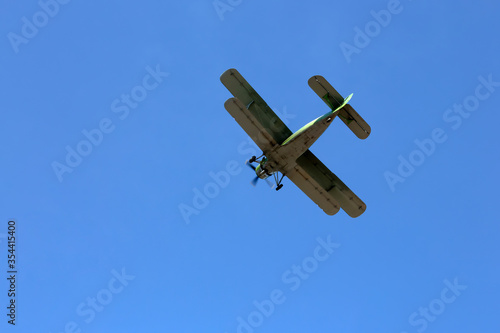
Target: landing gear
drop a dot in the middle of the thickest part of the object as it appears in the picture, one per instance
(264, 173)
(278, 182)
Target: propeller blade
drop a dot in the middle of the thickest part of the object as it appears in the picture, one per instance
(254, 181)
(270, 183)
(250, 165)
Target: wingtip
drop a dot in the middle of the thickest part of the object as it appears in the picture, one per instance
(356, 213)
(314, 78)
(229, 71)
(226, 73)
(229, 101)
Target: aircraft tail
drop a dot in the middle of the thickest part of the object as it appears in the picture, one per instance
(338, 104)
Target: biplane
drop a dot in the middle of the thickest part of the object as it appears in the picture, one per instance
(287, 153)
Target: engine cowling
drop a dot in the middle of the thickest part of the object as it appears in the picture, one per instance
(261, 171)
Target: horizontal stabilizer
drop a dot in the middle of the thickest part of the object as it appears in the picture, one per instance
(334, 100)
(325, 91)
(354, 121)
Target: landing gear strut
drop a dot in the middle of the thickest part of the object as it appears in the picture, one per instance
(255, 159)
(278, 182)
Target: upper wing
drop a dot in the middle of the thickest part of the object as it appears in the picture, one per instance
(258, 114)
(250, 124)
(323, 187)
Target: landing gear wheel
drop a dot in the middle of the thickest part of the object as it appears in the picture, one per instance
(279, 186)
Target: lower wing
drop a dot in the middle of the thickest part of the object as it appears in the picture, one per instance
(324, 187)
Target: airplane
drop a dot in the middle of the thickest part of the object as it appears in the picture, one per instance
(288, 153)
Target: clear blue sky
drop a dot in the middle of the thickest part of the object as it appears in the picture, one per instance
(102, 244)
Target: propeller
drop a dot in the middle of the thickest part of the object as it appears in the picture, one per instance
(250, 165)
(256, 179)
